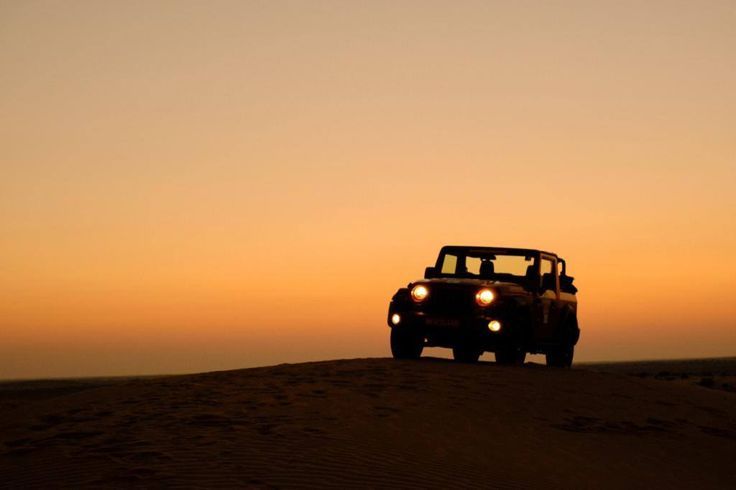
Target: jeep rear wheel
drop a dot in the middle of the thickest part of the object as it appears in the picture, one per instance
(510, 355)
(561, 357)
(406, 344)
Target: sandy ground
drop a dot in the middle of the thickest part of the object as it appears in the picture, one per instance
(717, 373)
(377, 423)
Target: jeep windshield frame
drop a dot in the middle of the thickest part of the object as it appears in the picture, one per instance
(523, 272)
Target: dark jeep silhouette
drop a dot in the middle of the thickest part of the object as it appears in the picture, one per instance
(509, 301)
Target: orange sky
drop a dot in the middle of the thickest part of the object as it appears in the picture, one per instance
(191, 186)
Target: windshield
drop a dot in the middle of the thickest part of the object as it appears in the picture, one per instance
(485, 265)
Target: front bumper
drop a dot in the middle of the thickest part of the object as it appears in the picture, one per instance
(448, 331)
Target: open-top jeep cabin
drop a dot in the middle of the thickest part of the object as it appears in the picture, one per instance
(509, 301)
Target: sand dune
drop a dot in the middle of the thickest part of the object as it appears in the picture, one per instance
(370, 423)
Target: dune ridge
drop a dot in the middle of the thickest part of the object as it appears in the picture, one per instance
(371, 423)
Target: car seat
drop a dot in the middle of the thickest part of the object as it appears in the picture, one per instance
(486, 268)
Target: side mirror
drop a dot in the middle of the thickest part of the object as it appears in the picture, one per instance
(430, 272)
(566, 284)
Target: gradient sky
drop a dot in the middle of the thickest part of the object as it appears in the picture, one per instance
(190, 186)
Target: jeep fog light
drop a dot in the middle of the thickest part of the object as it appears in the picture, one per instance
(484, 297)
(419, 293)
(494, 326)
(395, 319)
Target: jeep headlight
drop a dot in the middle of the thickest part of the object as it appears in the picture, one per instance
(484, 297)
(419, 293)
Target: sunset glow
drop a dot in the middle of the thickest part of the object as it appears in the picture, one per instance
(195, 186)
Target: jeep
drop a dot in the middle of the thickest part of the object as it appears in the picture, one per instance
(509, 301)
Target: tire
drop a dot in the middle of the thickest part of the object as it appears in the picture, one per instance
(465, 354)
(510, 356)
(561, 357)
(406, 344)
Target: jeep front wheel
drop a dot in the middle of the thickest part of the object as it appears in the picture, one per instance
(406, 344)
(510, 356)
(463, 353)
